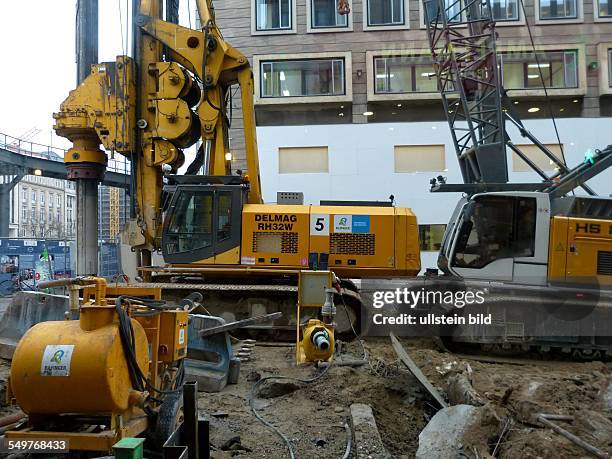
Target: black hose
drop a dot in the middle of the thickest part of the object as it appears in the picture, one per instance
(126, 333)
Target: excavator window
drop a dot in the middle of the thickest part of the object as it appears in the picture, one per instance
(190, 226)
(202, 221)
(496, 227)
(224, 217)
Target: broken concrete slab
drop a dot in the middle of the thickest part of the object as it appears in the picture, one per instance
(25, 310)
(368, 443)
(459, 430)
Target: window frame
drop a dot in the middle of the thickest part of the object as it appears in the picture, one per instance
(605, 70)
(348, 80)
(525, 72)
(596, 16)
(286, 31)
(367, 27)
(498, 23)
(310, 28)
(581, 67)
(373, 96)
(575, 20)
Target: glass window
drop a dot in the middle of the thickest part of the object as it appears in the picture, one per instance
(190, 226)
(558, 69)
(42, 197)
(558, 9)
(496, 227)
(610, 68)
(385, 12)
(451, 7)
(400, 74)
(295, 78)
(605, 9)
(430, 237)
(24, 195)
(504, 10)
(324, 14)
(273, 14)
(224, 217)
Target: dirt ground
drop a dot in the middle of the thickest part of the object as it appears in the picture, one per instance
(313, 416)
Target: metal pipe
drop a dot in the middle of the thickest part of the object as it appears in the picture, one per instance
(87, 189)
(12, 418)
(573, 438)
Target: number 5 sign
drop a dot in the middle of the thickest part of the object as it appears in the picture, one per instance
(319, 224)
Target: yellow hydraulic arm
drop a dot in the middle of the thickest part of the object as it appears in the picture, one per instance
(150, 107)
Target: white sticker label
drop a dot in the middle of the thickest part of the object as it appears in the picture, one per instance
(56, 360)
(27, 243)
(182, 336)
(247, 260)
(343, 223)
(319, 224)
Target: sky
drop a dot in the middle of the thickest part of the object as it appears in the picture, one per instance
(37, 47)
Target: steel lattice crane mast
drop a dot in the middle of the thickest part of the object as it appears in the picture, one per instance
(462, 41)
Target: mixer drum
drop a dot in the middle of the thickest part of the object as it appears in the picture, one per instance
(76, 366)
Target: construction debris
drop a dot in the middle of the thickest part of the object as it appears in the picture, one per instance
(368, 442)
(416, 371)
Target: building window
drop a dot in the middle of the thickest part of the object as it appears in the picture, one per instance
(273, 14)
(558, 69)
(610, 68)
(558, 9)
(505, 10)
(430, 237)
(537, 156)
(24, 195)
(605, 9)
(300, 78)
(58, 200)
(399, 74)
(419, 158)
(303, 160)
(42, 197)
(24, 214)
(33, 195)
(324, 14)
(452, 8)
(385, 12)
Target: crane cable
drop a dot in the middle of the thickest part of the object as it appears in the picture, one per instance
(548, 103)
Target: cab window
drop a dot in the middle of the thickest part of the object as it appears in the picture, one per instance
(496, 227)
(190, 225)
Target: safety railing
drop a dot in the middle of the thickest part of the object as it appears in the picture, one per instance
(39, 150)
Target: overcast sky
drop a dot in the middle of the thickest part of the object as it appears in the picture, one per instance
(37, 47)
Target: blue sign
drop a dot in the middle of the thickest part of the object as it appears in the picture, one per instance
(361, 224)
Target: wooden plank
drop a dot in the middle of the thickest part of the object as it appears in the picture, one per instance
(416, 371)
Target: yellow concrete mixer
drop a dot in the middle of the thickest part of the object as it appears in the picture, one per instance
(115, 372)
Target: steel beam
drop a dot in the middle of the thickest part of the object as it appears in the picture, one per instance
(5, 203)
(87, 189)
(54, 169)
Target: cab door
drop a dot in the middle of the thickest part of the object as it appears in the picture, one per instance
(497, 238)
(203, 225)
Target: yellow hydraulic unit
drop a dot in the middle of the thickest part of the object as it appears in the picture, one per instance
(118, 369)
(315, 338)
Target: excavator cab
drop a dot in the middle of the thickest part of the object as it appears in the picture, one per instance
(202, 218)
(499, 236)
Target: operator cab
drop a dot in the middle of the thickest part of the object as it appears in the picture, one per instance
(202, 217)
(499, 236)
